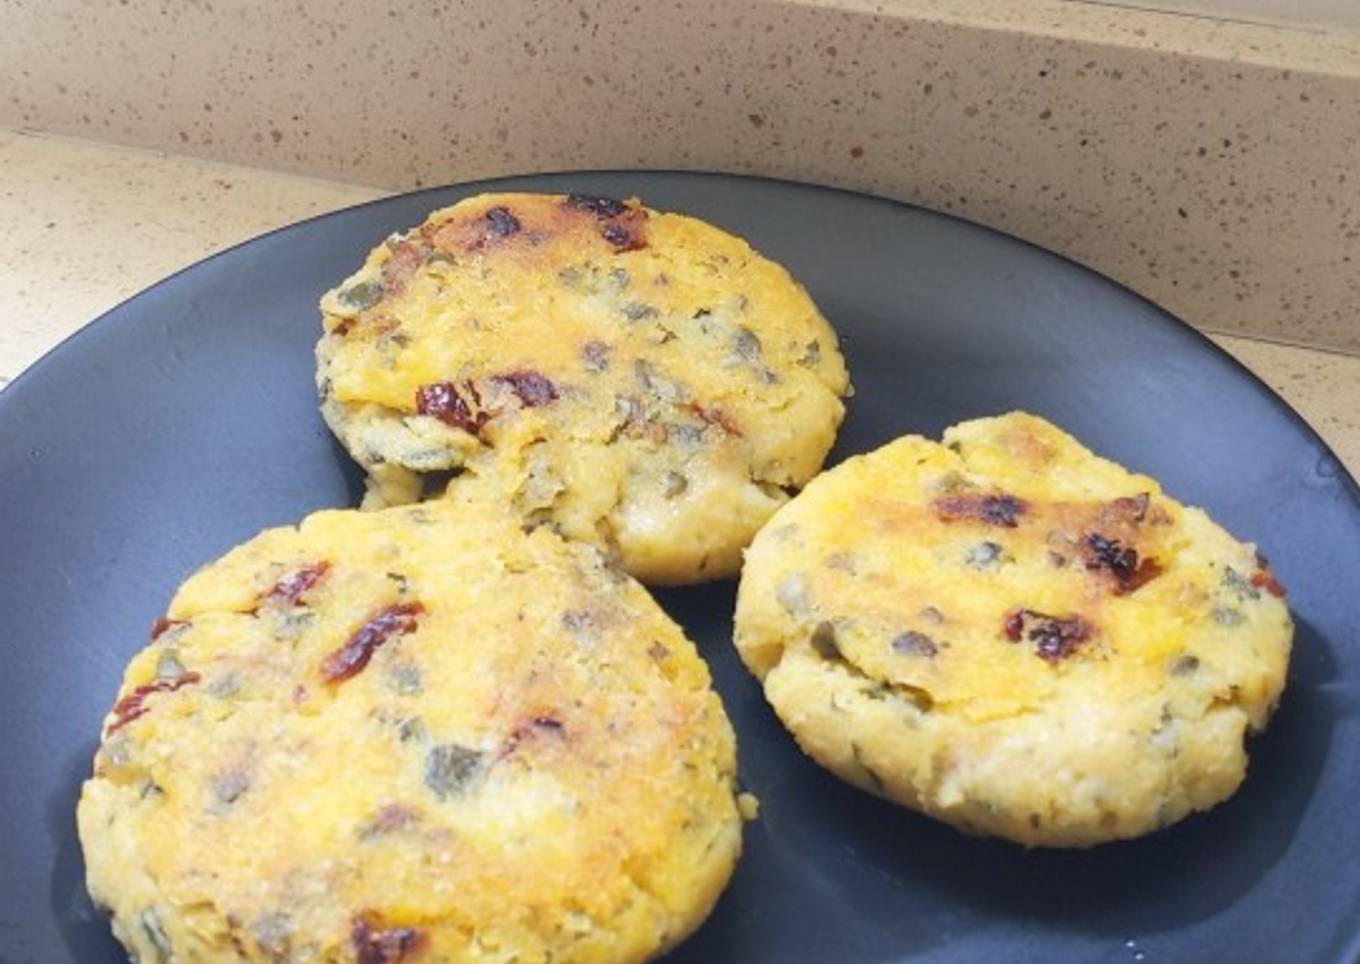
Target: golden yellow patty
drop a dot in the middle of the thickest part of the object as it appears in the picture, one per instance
(411, 735)
(642, 381)
(1013, 635)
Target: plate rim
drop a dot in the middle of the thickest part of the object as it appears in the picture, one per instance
(48, 364)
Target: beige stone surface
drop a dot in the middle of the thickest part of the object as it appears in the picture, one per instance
(87, 225)
(1205, 162)
(1322, 386)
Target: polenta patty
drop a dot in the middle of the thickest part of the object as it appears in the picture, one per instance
(1013, 635)
(642, 381)
(411, 735)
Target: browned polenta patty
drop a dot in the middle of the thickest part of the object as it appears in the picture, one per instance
(639, 380)
(419, 734)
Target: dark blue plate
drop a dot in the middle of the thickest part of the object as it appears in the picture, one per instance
(185, 420)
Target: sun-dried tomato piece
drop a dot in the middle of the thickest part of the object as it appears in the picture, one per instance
(1265, 579)
(374, 944)
(532, 388)
(620, 225)
(539, 725)
(1148, 570)
(1055, 637)
(501, 223)
(290, 588)
(713, 415)
(351, 658)
(601, 207)
(996, 509)
(163, 624)
(1126, 509)
(1120, 561)
(546, 723)
(624, 237)
(134, 704)
(495, 226)
(1109, 554)
(442, 401)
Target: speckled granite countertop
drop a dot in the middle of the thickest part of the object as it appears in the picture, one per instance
(1204, 161)
(87, 225)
